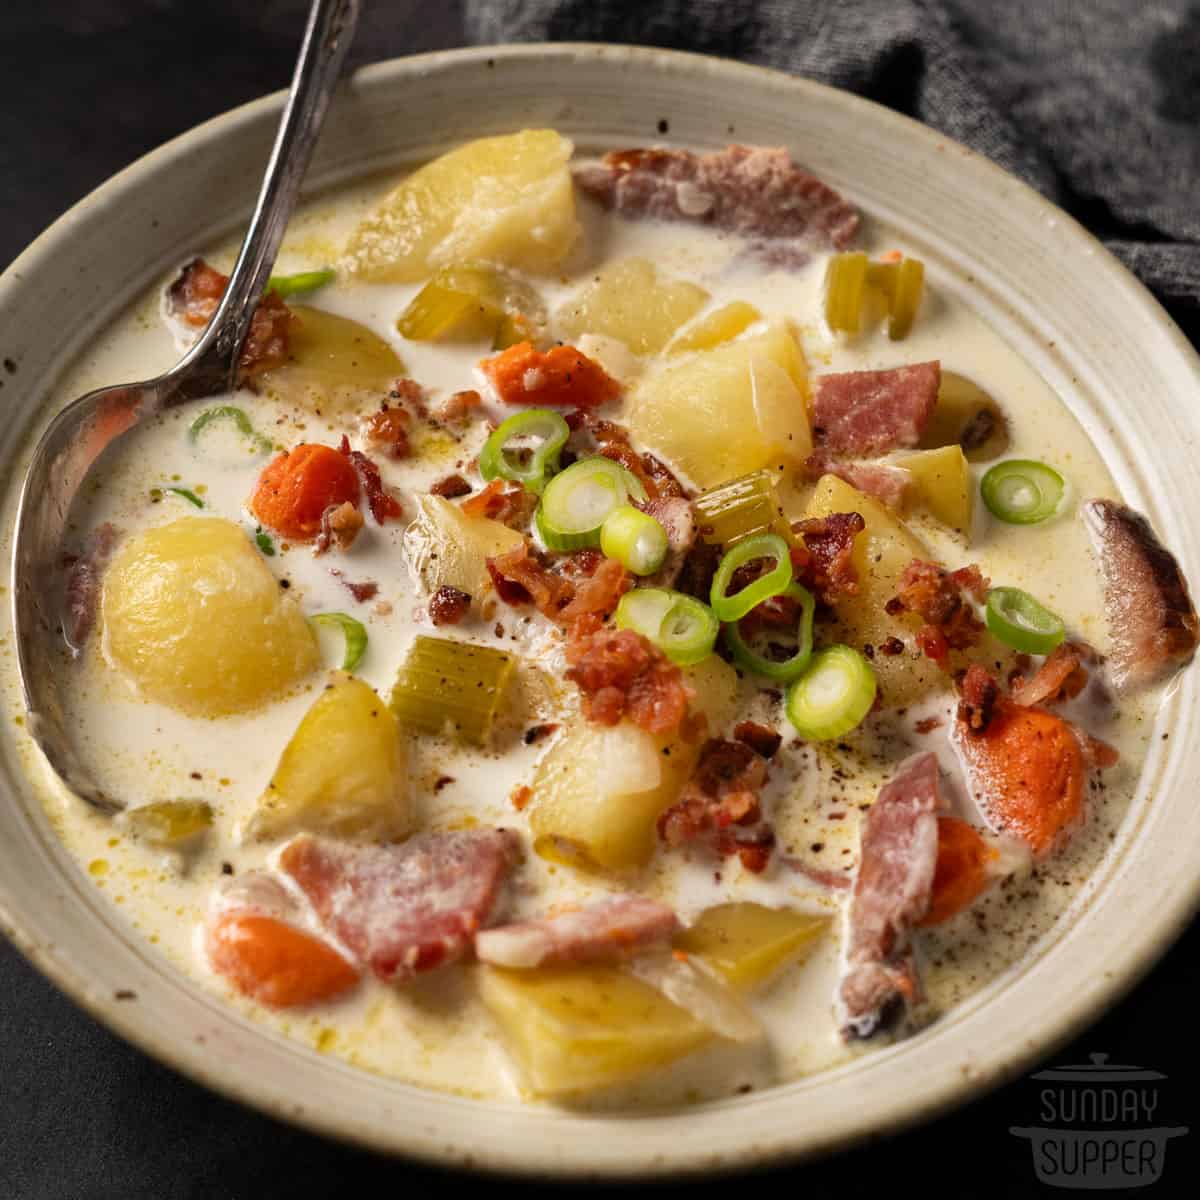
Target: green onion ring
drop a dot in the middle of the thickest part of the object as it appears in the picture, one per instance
(682, 627)
(764, 545)
(789, 668)
(355, 633)
(1022, 491)
(495, 461)
(833, 696)
(577, 501)
(1022, 622)
(230, 412)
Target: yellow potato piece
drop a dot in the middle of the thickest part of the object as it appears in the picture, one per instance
(881, 552)
(576, 1029)
(941, 484)
(628, 301)
(599, 790)
(747, 943)
(729, 411)
(721, 325)
(446, 548)
(507, 200)
(194, 617)
(334, 364)
(344, 772)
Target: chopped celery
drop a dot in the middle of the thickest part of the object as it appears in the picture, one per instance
(302, 281)
(845, 288)
(445, 684)
(739, 509)
(905, 299)
(472, 302)
(721, 325)
(169, 822)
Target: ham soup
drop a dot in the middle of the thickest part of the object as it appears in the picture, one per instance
(633, 636)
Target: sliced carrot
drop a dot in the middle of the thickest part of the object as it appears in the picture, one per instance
(295, 489)
(1027, 773)
(560, 377)
(961, 873)
(276, 964)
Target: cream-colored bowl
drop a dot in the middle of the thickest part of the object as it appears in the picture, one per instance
(1093, 332)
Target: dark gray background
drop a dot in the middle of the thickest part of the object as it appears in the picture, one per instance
(86, 86)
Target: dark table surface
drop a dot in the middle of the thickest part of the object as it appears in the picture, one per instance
(86, 86)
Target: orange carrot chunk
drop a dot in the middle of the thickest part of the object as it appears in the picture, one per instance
(560, 377)
(961, 873)
(295, 490)
(276, 964)
(1027, 772)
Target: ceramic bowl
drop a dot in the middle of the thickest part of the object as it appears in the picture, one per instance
(1083, 321)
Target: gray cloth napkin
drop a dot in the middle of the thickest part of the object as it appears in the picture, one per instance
(1096, 103)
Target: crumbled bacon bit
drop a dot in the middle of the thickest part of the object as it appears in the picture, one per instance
(980, 693)
(504, 501)
(939, 598)
(696, 575)
(597, 594)
(443, 781)
(362, 592)
(384, 506)
(195, 295)
(762, 739)
(340, 524)
(1098, 753)
(1061, 677)
(459, 405)
(723, 793)
(892, 647)
(521, 577)
(928, 724)
(451, 487)
(520, 796)
(448, 605)
(388, 429)
(612, 441)
(823, 560)
(621, 674)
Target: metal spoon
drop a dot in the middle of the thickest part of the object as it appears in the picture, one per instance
(85, 428)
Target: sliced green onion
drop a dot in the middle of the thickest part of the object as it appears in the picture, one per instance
(498, 461)
(188, 495)
(1022, 491)
(354, 632)
(263, 541)
(576, 502)
(776, 580)
(845, 286)
(833, 696)
(452, 685)
(1022, 622)
(682, 627)
(230, 412)
(302, 281)
(739, 509)
(635, 539)
(785, 670)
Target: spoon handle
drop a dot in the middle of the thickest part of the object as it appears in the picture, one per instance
(327, 37)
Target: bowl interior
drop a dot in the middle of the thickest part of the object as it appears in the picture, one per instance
(1071, 310)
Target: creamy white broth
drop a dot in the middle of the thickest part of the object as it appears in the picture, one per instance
(434, 1032)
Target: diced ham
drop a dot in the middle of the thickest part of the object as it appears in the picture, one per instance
(676, 515)
(750, 190)
(82, 590)
(892, 891)
(885, 482)
(823, 561)
(863, 414)
(407, 908)
(607, 931)
(1151, 618)
(194, 296)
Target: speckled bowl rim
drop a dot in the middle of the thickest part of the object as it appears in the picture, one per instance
(1136, 903)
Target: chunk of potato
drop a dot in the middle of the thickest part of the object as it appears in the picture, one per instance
(334, 364)
(171, 824)
(881, 552)
(446, 548)
(721, 325)
(599, 789)
(965, 415)
(747, 943)
(576, 1029)
(344, 772)
(628, 301)
(729, 411)
(507, 200)
(941, 485)
(194, 617)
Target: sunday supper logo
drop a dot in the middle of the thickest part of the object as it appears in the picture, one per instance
(1098, 1128)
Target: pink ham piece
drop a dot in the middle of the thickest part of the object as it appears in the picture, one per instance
(1150, 614)
(607, 931)
(867, 413)
(891, 894)
(82, 592)
(676, 515)
(885, 482)
(407, 908)
(751, 190)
